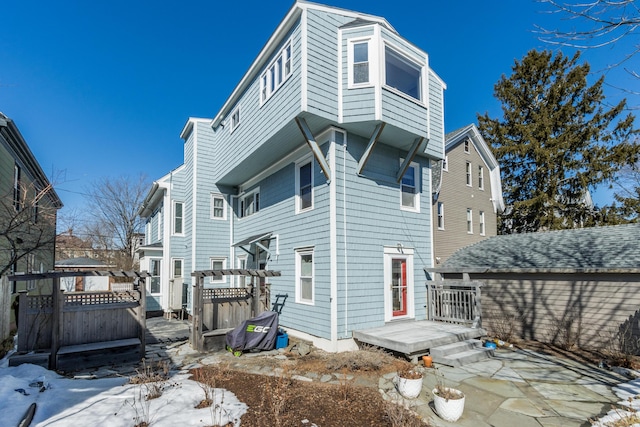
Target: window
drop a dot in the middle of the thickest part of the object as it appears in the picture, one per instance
(440, 216)
(235, 119)
(147, 232)
(402, 74)
(469, 174)
(218, 210)
(409, 187)
(481, 223)
(17, 193)
(469, 221)
(360, 60)
(242, 281)
(466, 145)
(177, 267)
(159, 214)
(481, 177)
(154, 287)
(276, 73)
(304, 276)
(304, 186)
(177, 217)
(445, 163)
(218, 264)
(250, 204)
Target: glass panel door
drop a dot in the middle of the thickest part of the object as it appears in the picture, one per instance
(399, 286)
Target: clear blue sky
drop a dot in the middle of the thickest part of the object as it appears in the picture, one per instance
(104, 88)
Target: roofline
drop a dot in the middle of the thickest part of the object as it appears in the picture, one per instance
(298, 8)
(20, 146)
(188, 126)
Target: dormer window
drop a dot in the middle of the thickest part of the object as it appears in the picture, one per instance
(402, 74)
(276, 73)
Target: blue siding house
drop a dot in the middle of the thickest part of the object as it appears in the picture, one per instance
(317, 166)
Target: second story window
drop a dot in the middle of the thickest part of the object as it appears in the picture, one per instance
(276, 73)
(440, 216)
(409, 187)
(178, 218)
(402, 74)
(468, 172)
(235, 119)
(466, 146)
(218, 210)
(250, 204)
(469, 221)
(360, 63)
(304, 186)
(445, 163)
(17, 190)
(481, 177)
(481, 223)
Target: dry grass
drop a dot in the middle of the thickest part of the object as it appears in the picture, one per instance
(399, 416)
(368, 359)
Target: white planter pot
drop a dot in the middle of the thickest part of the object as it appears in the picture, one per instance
(409, 388)
(448, 409)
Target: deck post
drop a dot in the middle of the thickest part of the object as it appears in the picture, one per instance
(142, 314)
(196, 329)
(57, 332)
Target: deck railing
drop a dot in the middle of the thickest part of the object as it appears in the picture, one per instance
(454, 301)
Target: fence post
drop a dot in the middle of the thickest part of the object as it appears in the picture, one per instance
(429, 302)
(57, 305)
(479, 304)
(256, 295)
(5, 308)
(196, 328)
(142, 314)
(21, 320)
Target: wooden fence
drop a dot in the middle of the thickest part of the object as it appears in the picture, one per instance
(90, 327)
(455, 301)
(216, 310)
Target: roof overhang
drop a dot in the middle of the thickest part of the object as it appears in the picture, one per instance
(257, 239)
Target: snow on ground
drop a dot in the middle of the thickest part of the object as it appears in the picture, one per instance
(108, 402)
(629, 395)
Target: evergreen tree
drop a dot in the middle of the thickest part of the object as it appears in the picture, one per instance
(555, 141)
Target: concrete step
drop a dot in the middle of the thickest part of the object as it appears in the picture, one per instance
(465, 357)
(456, 347)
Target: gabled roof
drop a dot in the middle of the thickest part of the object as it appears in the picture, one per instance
(287, 23)
(10, 133)
(471, 132)
(584, 249)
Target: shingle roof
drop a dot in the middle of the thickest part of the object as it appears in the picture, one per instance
(80, 262)
(613, 247)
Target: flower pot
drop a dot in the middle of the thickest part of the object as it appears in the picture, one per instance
(427, 360)
(448, 409)
(409, 388)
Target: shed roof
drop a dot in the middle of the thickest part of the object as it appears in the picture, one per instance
(596, 248)
(80, 262)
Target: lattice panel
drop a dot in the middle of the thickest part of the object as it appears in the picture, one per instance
(225, 293)
(94, 298)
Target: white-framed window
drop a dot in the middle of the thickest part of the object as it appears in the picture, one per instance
(218, 207)
(218, 263)
(17, 188)
(468, 172)
(304, 185)
(276, 73)
(440, 214)
(410, 192)
(466, 146)
(304, 276)
(147, 232)
(445, 164)
(241, 263)
(481, 223)
(159, 223)
(360, 65)
(480, 177)
(178, 217)
(403, 74)
(235, 119)
(176, 267)
(250, 203)
(469, 220)
(155, 265)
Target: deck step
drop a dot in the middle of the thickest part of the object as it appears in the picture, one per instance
(464, 357)
(456, 347)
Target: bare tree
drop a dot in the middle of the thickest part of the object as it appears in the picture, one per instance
(114, 204)
(596, 24)
(27, 227)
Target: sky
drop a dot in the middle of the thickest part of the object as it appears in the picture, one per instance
(103, 89)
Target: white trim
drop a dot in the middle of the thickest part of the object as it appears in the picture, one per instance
(469, 221)
(417, 176)
(398, 252)
(299, 252)
(412, 61)
(445, 164)
(174, 217)
(438, 205)
(308, 159)
(482, 224)
(150, 261)
(304, 77)
(333, 241)
(340, 77)
(244, 195)
(468, 174)
(212, 207)
(194, 201)
(213, 259)
(351, 61)
(172, 274)
(377, 51)
(234, 123)
(480, 177)
(323, 343)
(275, 69)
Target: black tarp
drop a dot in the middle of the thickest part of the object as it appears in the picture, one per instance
(258, 333)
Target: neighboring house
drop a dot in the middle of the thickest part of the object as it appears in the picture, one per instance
(84, 283)
(467, 193)
(568, 287)
(317, 166)
(69, 245)
(28, 212)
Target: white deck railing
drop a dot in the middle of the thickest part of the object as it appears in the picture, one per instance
(454, 301)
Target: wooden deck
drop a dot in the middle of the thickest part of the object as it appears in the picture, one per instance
(414, 338)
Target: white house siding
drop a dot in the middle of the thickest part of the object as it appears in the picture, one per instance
(322, 78)
(259, 123)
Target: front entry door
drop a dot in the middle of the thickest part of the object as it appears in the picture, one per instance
(399, 287)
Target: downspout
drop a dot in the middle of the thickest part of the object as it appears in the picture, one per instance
(333, 243)
(344, 236)
(232, 249)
